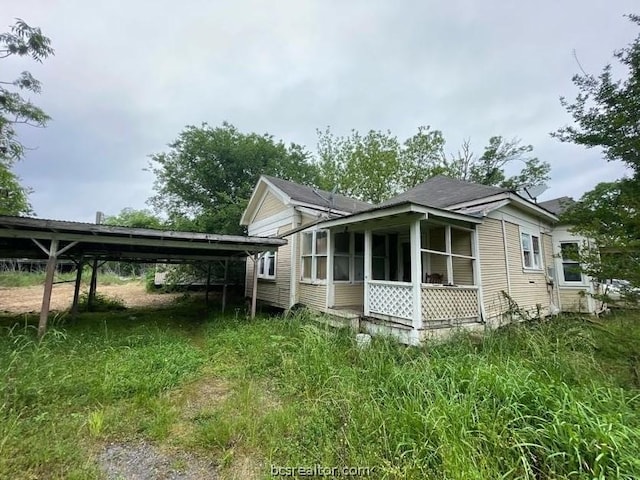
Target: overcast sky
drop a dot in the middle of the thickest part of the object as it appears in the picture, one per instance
(127, 76)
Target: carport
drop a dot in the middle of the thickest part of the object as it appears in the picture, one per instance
(53, 240)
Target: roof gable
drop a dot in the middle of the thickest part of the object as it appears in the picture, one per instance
(441, 192)
(292, 194)
(557, 206)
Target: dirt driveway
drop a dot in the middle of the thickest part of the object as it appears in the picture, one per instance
(29, 299)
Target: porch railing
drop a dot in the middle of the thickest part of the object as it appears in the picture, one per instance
(394, 299)
(440, 303)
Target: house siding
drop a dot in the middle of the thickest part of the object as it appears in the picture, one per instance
(348, 295)
(493, 266)
(528, 289)
(273, 292)
(313, 295)
(271, 205)
(572, 300)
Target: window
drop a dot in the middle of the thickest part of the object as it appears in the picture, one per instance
(314, 255)
(348, 257)
(570, 265)
(267, 266)
(379, 257)
(531, 251)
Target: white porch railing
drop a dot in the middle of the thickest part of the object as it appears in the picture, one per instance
(449, 303)
(394, 299)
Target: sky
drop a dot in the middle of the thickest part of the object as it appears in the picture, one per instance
(128, 76)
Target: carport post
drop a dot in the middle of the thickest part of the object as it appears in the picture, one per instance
(93, 285)
(254, 293)
(76, 290)
(206, 291)
(224, 285)
(48, 285)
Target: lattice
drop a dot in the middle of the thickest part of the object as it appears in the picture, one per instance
(449, 303)
(389, 299)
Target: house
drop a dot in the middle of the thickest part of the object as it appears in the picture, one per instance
(446, 254)
(575, 289)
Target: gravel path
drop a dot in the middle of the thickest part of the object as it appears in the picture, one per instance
(144, 461)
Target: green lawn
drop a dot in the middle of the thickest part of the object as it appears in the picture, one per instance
(551, 400)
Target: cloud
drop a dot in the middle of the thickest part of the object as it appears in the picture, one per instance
(128, 76)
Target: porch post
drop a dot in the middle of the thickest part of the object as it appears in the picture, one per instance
(416, 279)
(329, 293)
(367, 269)
(447, 247)
(477, 273)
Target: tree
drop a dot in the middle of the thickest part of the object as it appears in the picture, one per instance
(376, 166)
(204, 181)
(606, 112)
(21, 40)
(367, 167)
(129, 217)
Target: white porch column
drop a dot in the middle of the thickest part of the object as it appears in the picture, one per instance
(447, 247)
(329, 293)
(367, 268)
(416, 279)
(477, 273)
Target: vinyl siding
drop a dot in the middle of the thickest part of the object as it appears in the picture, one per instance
(274, 292)
(573, 301)
(313, 295)
(271, 205)
(528, 289)
(493, 266)
(348, 294)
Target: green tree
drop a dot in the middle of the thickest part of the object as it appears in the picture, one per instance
(129, 217)
(22, 40)
(367, 167)
(204, 181)
(606, 113)
(377, 166)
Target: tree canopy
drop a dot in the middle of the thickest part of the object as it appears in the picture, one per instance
(205, 180)
(21, 40)
(130, 217)
(377, 166)
(607, 116)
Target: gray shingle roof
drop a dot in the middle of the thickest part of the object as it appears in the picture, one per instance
(557, 206)
(314, 196)
(441, 192)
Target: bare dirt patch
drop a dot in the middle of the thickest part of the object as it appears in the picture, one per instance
(144, 461)
(29, 299)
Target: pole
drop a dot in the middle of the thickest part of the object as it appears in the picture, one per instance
(255, 286)
(76, 290)
(48, 285)
(93, 285)
(224, 285)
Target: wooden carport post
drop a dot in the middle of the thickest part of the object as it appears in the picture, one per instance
(76, 289)
(48, 285)
(254, 293)
(224, 285)
(93, 285)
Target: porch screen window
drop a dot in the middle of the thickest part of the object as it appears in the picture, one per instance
(531, 251)
(379, 257)
(267, 266)
(348, 257)
(314, 255)
(570, 264)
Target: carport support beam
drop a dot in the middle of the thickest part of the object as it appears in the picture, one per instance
(48, 285)
(93, 285)
(76, 290)
(254, 293)
(224, 285)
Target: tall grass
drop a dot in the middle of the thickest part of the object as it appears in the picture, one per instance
(29, 279)
(548, 400)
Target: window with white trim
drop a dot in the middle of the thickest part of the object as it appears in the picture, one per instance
(314, 255)
(531, 257)
(267, 266)
(570, 264)
(348, 257)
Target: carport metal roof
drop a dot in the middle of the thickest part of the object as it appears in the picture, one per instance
(22, 237)
(37, 238)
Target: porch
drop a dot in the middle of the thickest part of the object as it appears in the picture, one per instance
(418, 271)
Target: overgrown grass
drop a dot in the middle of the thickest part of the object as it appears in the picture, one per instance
(547, 400)
(29, 279)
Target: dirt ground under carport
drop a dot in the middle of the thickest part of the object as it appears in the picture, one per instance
(29, 299)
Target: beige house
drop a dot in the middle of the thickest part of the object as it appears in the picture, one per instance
(575, 289)
(446, 254)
